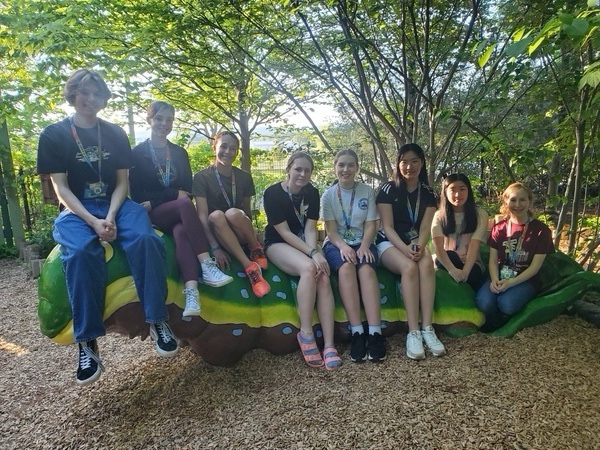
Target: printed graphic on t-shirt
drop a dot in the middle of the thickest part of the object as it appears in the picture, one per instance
(90, 154)
(510, 247)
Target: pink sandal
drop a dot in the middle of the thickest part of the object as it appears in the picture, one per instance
(310, 352)
(331, 357)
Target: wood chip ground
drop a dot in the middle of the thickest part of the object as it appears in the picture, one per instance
(538, 390)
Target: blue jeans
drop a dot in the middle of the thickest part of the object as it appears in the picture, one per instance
(498, 308)
(83, 262)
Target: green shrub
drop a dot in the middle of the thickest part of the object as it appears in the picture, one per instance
(41, 231)
(8, 252)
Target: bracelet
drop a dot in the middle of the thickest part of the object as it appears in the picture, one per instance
(312, 252)
(215, 247)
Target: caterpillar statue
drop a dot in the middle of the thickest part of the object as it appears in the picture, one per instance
(234, 321)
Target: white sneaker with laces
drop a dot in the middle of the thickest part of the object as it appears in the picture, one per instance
(432, 341)
(414, 345)
(212, 275)
(192, 302)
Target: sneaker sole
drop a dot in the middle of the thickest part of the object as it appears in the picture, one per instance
(193, 312)
(164, 353)
(217, 283)
(375, 360)
(358, 360)
(415, 357)
(90, 380)
(442, 353)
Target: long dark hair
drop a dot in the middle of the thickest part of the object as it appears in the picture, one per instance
(398, 178)
(448, 221)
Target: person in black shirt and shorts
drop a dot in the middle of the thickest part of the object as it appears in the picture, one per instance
(292, 208)
(406, 206)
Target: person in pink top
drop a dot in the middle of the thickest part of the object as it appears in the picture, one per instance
(458, 229)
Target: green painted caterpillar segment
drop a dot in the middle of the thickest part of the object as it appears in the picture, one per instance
(546, 307)
(54, 309)
(562, 278)
(236, 303)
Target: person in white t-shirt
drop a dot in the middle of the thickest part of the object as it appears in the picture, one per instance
(458, 229)
(351, 220)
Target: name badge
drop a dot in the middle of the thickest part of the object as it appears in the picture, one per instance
(412, 235)
(506, 273)
(94, 190)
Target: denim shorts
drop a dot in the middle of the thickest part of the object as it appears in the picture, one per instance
(334, 258)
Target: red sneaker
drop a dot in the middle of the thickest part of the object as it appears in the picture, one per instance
(258, 283)
(258, 256)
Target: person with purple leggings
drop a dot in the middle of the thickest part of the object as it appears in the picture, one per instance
(161, 181)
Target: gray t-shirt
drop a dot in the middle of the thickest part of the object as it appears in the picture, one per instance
(364, 210)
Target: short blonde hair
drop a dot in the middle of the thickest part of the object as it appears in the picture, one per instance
(81, 76)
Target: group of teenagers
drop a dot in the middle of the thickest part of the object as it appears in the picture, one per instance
(93, 168)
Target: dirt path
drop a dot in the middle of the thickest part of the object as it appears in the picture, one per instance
(538, 390)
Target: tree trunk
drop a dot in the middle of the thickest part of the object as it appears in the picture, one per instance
(580, 147)
(10, 187)
(552, 192)
(562, 217)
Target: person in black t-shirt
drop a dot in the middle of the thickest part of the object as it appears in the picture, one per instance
(161, 181)
(292, 208)
(223, 193)
(87, 159)
(406, 206)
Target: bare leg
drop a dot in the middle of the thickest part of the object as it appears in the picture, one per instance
(348, 287)
(325, 306)
(241, 225)
(296, 263)
(395, 261)
(369, 289)
(426, 288)
(227, 238)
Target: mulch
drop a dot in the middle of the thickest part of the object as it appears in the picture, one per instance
(537, 390)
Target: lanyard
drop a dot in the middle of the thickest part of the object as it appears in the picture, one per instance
(166, 174)
(347, 217)
(84, 151)
(230, 203)
(459, 233)
(415, 217)
(512, 255)
(299, 214)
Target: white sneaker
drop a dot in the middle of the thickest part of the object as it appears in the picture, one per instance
(432, 341)
(212, 275)
(192, 302)
(414, 345)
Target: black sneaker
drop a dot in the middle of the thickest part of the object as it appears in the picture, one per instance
(376, 344)
(89, 366)
(161, 334)
(358, 347)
